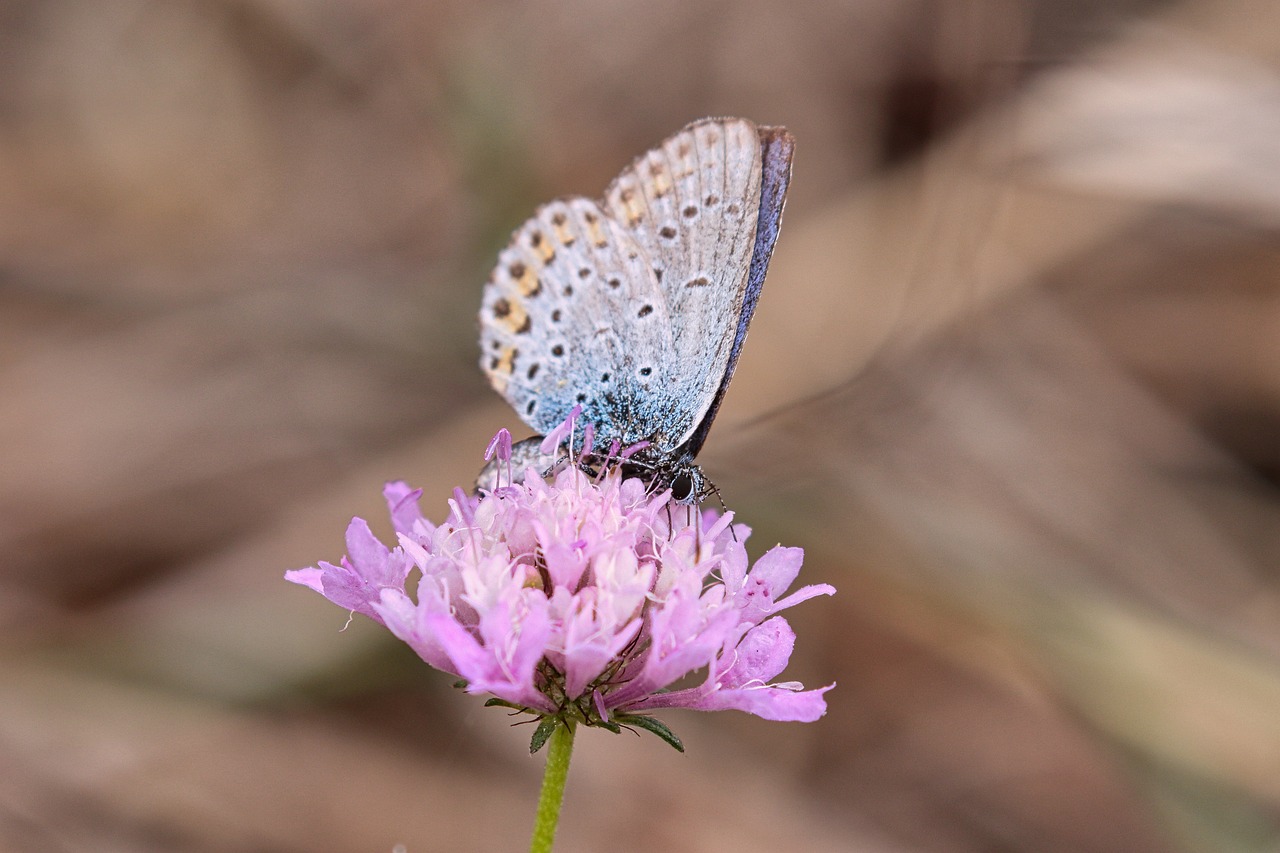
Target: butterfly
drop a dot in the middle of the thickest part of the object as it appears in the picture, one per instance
(634, 307)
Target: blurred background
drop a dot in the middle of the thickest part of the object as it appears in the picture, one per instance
(1013, 384)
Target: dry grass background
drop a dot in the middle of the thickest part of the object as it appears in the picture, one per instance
(1014, 385)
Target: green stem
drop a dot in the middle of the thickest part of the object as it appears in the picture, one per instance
(559, 749)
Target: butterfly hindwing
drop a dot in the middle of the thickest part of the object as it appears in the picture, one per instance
(573, 315)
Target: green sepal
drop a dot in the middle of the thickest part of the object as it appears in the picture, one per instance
(489, 703)
(542, 732)
(460, 683)
(651, 724)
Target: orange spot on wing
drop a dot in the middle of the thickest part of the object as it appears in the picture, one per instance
(499, 371)
(515, 317)
(596, 234)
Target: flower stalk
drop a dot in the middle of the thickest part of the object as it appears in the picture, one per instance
(559, 751)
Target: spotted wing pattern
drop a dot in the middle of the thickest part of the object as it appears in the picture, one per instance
(636, 308)
(560, 318)
(691, 203)
(777, 147)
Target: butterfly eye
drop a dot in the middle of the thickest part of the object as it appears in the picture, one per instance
(682, 487)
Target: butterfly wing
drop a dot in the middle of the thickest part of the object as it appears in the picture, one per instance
(777, 147)
(692, 204)
(636, 310)
(573, 316)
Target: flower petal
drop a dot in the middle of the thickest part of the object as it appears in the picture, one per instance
(311, 577)
(762, 654)
(581, 587)
(770, 703)
(775, 571)
(408, 622)
(358, 582)
(406, 517)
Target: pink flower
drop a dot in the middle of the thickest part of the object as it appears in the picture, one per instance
(585, 596)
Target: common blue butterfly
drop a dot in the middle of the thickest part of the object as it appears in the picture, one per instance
(635, 307)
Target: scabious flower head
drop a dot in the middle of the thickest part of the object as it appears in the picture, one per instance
(585, 597)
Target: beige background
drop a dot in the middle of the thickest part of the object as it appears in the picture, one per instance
(1014, 385)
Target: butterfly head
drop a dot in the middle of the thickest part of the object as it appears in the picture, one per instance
(677, 472)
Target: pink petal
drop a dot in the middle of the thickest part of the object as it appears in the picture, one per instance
(772, 574)
(675, 651)
(778, 568)
(369, 557)
(762, 654)
(804, 593)
(307, 577)
(358, 582)
(770, 703)
(489, 669)
(402, 503)
(408, 622)
(585, 661)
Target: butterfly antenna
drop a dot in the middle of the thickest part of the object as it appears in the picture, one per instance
(712, 488)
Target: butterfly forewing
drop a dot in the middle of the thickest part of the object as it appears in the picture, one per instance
(691, 204)
(777, 147)
(573, 315)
